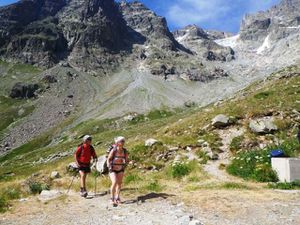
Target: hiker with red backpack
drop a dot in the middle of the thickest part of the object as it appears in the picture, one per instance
(116, 162)
(83, 155)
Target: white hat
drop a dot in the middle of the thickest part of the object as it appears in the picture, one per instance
(86, 137)
(119, 139)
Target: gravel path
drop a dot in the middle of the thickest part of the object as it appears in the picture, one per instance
(155, 210)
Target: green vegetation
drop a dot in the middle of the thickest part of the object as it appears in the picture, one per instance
(236, 144)
(154, 186)
(6, 195)
(256, 164)
(180, 170)
(12, 110)
(285, 185)
(36, 187)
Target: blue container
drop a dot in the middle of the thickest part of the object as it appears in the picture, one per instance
(277, 153)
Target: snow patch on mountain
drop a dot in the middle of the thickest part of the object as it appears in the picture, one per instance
(229, 42)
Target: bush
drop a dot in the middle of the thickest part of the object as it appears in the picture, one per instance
(255, 165)
(3, 204)
(203, 155)
(36, 187)
(180, 170)
(236, 144)
(11, 193)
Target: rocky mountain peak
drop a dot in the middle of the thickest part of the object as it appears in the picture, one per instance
(191, 32)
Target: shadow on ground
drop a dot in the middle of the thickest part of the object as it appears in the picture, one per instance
(144, 198)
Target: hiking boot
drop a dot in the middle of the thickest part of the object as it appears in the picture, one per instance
(83, 193)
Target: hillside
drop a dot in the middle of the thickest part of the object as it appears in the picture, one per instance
(200, 109)
(185, 137)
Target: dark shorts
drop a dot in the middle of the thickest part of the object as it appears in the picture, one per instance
(85, 169)
(115, 171)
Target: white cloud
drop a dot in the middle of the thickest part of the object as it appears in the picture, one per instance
(189, 11)
(213, 12)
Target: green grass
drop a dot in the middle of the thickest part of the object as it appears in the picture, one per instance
(285, 185)
(154, 186)
(9, 111)
(236, 144)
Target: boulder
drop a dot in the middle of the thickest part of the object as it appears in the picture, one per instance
(150, 142)
(54, 175)
(21, 90)
(221, 121)
(263, 125)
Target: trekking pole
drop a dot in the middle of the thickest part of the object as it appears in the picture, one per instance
(75, 175)
(96, 175)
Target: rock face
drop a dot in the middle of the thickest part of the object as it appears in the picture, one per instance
(278, 22)
(28, 31)
(153, 28)
(263, 126)
(21, 90)
(202, 43)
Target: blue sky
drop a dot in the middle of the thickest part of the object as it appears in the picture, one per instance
(222, 15)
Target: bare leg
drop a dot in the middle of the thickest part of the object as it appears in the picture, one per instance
(119, 183)
(82, 179)
(113, 178)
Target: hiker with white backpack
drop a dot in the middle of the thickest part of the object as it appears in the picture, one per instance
(116, 162)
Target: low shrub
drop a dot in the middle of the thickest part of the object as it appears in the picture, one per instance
(181, 169)
(36, 187)
(285, 185)
(236, 144)
(3, 204)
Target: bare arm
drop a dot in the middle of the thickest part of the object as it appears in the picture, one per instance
(110, 158)
(76, 156)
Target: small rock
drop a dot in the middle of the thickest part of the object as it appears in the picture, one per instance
(195, 222)
(54, 175)
(48, 195)
(150, 142)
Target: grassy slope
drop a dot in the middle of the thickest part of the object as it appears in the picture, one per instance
(180, 128)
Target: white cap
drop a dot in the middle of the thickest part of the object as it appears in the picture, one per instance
(86, 137)
(118, 139)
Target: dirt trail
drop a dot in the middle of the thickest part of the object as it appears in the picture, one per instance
(211, 207)
(213, 167)
(72, 209)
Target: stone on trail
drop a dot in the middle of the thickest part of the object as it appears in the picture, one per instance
(195, 222)
(150, 142)
(48, 195)
(263, 125)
